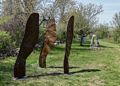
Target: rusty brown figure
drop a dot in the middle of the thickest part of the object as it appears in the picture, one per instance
(69, 38)
(28, 43)
(49, 40)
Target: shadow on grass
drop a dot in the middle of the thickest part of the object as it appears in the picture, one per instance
(105, 46)
(70, 73)
(86, 45)
(85, 70)
(62, 67)
(80, 49)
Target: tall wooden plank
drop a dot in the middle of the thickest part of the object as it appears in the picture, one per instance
(28, 43)
(69, 38)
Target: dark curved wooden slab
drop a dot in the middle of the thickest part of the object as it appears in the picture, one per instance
(69, 38)
(28, 43)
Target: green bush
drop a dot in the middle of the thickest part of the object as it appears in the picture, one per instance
(116, 35)
(16, 27)
(61, 32)
(6, 44)
(102, 31)
(5, 40)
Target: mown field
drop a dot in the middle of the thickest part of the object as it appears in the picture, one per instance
(87, 67)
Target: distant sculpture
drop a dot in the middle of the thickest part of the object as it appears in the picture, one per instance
(49, 40)
(94, 42)
(69, 38)
(28, 43)
(82, 37)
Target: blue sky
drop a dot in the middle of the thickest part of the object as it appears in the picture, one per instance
(110, 7)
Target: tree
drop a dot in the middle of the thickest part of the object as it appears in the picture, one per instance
(102, 31)
(63, 8)
(19, 11)
(7, 7)
(116, 20)
(116, 25)
(29, 5)
(85, 18)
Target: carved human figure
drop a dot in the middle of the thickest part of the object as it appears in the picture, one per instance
(49, 40)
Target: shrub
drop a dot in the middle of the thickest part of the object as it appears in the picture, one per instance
(16, 27)
(103, 31)
(5, 39)
(6, 44)
(116, 35)
(61, 32)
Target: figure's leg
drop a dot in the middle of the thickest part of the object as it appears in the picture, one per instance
(43, 55)
(42, 62)
(28, 43)
(81, 41)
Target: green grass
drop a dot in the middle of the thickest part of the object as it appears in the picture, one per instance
(87, 68)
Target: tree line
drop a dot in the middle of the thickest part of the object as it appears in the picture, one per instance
(16, 12)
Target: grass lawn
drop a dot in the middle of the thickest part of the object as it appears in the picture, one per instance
(87, 68)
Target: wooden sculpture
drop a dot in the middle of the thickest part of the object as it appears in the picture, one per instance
(69, 38)
(49, 40)
(30, 39)
(28, 43)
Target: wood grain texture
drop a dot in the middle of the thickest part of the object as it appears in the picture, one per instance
(49, 40)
